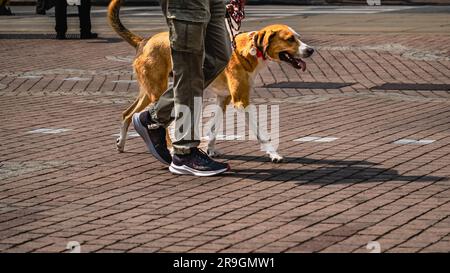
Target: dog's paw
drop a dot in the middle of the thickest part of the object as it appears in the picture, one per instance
(214, 153)
(276, 158)
(239, 106)
(120, 146)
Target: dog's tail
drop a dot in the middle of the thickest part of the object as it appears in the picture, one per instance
(116, 24)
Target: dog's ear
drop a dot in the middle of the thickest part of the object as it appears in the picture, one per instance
(258, 38)
(262, 40)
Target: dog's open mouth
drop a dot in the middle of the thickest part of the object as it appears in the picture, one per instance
(295, 62)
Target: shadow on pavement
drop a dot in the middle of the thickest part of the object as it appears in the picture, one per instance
(333, 171)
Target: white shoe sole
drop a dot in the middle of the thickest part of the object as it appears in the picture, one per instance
(186, 170)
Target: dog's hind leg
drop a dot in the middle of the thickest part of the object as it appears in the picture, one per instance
(138, 105)
(219, 113)
(120, 142)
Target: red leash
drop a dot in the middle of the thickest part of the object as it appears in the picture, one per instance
(235, 13)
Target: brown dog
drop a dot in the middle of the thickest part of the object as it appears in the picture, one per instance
(153, 67)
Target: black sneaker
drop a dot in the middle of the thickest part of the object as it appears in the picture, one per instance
(197, 163)
(155, 139)
(89, 35)
(60, 36)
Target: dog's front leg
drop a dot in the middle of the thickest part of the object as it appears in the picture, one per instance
(262, 136)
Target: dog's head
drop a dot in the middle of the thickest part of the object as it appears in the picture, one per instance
(280, 42)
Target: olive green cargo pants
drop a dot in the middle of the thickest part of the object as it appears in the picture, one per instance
(201, 49)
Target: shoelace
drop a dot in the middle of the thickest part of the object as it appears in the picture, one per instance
(202, 155)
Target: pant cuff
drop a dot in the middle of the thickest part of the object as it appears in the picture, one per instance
(154, 119)
(181, 150)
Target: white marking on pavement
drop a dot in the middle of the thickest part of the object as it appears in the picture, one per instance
(125, 81)
(316, 139)
(326, 139)
(413, 141)
(225, 137)
(123, 59)
(405, 141)
(49, 130)
(76, 79)
(29, 77)
(307, 139)
(425, 141)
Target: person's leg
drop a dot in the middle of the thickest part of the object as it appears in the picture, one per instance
(187, 39)
(187, 36)
(4, 10)
(188, 51)
(2, 7)
(84, 13)
(188, 27)
(217, 54)
(61, 19)
(40, 7)
(218, 44)
(203, 71)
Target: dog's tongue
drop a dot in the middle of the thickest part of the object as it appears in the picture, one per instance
(299, 63)
(295, 62)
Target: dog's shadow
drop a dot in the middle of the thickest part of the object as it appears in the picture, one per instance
(320, 171)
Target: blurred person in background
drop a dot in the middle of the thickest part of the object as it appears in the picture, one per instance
(43, 5)
(84, 13)
(4, 10)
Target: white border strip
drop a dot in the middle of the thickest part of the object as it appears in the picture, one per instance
(316, 139)
(49, 131)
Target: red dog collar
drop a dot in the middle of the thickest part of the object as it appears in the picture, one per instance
(259, 54)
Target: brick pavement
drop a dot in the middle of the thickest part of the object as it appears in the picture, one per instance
(327, 196)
